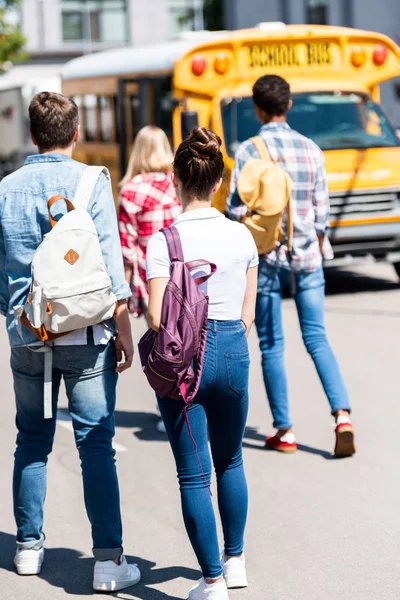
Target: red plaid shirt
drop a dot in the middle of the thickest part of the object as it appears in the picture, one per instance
(146, 205)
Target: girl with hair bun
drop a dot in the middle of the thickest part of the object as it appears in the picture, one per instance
(221, 405)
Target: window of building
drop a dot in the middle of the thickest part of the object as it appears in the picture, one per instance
(317, 12)
(95, 20)
(72, 25)
(185, 15)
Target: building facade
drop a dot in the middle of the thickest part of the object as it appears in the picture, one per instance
(382, 16)
(57, 30)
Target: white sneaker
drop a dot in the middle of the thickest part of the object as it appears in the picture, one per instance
(110, 577)
(209, 591)
(28, 561)
(234, 572)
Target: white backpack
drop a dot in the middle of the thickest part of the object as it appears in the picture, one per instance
(70, 288)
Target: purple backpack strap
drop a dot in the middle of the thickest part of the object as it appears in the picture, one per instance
(174, 243)
(176, 253)
(194, 264)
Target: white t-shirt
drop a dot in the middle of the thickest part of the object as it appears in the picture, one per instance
(206, 234)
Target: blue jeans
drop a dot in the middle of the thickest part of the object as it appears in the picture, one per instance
(309, 297)
(222, 403)
(90, 381)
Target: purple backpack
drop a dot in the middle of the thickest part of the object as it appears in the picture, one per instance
(172, 359)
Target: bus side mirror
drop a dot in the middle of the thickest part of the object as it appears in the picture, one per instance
(189, 120)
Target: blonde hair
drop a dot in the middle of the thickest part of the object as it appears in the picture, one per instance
(151, 153)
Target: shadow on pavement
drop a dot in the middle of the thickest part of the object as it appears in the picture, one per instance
(73, 572)
(251, 433)
(342, 281)
(146, 422)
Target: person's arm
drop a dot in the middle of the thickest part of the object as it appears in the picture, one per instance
(4, 292)
(156, 296)
(123, 341)
(103, 213)
(321, 203)
(128, 231)
(249, 302)
(158, 271)
(235, 209)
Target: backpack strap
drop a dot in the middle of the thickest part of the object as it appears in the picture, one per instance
(261, 148)
(174, 243)
(87, 184)
(194, 264)
(289, 226)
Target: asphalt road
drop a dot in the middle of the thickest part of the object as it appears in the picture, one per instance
(319, 529)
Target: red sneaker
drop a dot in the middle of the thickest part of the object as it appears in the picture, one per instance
(344, 432)
(282, 443)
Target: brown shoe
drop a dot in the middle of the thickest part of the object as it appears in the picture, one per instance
(344, 432)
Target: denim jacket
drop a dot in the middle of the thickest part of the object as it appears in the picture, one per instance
(24, 220)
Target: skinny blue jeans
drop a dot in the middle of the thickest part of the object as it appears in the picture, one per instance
(90, 381)
(309, 295)
(222, 403)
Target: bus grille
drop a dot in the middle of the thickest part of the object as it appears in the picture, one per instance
(351, 204)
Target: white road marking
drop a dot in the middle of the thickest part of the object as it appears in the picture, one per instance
(64, 420)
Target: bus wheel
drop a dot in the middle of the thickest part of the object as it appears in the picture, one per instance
(397, 268)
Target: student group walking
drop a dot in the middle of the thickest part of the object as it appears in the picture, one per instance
(201, 279)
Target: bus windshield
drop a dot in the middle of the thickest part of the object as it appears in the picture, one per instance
(334, 120)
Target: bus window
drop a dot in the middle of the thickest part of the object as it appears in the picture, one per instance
(135, 114)
(79, 103)
(239, 122)
(107, 133)
(163, 106)
(90, 110)
(334, 120)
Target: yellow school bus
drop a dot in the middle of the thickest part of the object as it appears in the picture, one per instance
(334, 73)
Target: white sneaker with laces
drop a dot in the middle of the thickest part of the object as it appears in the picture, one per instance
(234, 572)
(110, 577)
(28, 561)
(209, 591)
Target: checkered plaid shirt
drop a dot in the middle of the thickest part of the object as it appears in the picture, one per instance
(304, 161)
(146, 205)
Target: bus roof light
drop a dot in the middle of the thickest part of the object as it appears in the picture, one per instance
(358, 57)
(271, 25)
(380, 55)
(199, 64)
(221, 63)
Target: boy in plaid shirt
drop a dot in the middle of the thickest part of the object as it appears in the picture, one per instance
(304, 161)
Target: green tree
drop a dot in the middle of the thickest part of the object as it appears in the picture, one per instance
(12, 41)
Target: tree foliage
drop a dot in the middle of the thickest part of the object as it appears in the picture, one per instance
(12, 41)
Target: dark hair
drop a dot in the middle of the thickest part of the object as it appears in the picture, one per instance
(54, 119)
(198, 162)
(271, 93)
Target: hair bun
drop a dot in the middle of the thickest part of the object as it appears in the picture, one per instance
(204, 143)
